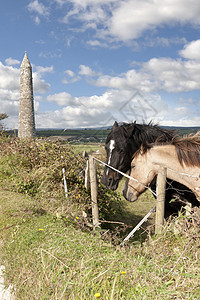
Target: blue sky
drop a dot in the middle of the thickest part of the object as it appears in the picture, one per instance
(96, 61)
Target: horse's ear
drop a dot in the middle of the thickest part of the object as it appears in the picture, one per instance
(131, 129)
(142, 149)
(115, 125)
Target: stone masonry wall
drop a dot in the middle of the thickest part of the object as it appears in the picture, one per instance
(26, 128)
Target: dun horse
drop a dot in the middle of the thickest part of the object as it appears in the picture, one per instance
(181, 157)
(121, 144)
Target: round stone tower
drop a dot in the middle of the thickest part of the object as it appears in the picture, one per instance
(26, 128)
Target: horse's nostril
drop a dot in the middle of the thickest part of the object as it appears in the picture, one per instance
(128, 196)
(124, 193)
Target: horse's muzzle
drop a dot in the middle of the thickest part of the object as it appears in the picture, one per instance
(111, 181)
(129, 196)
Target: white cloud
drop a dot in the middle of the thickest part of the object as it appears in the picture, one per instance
(11, 61)
(120, 21)
(42, 70)
(72, 80)
(163, 41)
(9, 77)
(131, 95)
(9, 95)
(60, 2)
(97, 43)
(69, 73)
(181, 111)
(124, 20)
(167, 74)
(39, 8)
(61, 99)
(191, 50)
(71, 77)
(181, 116)
(51, 54)
(86, 71)
(37, 20)
(102, 110)
(39, 84)
(40, 42)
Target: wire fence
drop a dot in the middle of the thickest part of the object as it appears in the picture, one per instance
(159, 194)
(93, 187)
(125, 175)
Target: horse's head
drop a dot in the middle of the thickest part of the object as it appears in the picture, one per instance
(143, 175)
(119, 154)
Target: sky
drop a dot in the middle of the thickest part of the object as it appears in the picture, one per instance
(99, 61)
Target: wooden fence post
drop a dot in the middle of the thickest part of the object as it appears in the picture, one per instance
(93, 187)
(160, 203)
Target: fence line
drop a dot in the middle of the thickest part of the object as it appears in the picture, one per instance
(127, 176)
(160, 195)
(93, 187)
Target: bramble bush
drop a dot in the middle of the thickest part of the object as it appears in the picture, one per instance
(34, 167)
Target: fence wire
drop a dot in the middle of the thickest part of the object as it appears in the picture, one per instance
(125, 175)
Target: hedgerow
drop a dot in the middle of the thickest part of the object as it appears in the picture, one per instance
(34, 167)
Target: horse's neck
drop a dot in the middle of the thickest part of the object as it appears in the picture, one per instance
(163, 155)
(166, 156)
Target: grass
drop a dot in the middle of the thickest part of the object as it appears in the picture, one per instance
(50, 253)
(89, 148)
(54, 259)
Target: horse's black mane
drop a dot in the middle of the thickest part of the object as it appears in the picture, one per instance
(147, 132)
(140, 133)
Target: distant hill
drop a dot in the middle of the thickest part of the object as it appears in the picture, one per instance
(92, 135)
(96, 135)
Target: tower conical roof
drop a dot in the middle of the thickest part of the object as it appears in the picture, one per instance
(25, 61)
